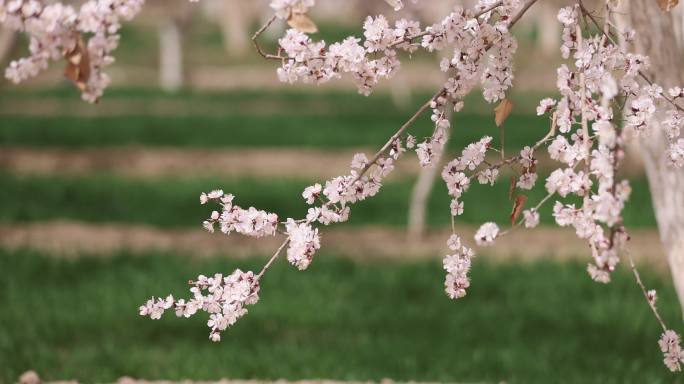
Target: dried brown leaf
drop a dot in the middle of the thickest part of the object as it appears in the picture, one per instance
(502, 111)
(71, 72)
(78, 64)
(667, 5)
(518, 206)
(302, 23)
(511, 188)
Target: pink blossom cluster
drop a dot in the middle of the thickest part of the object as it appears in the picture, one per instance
(457, 181)
(224, 298)
(473, 161)
(375, 57)
(311, 62)
(591, 139)
(480, 53)
(250, 222)
(228, 299)
(303, 243)
(55, 29)
(336, 197)
(486, 234)
(670, 345)
(673, 125)
(457, 266)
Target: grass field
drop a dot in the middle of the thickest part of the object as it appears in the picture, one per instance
(237, 119)
(292, 120)
(340, 320)
(175, 202)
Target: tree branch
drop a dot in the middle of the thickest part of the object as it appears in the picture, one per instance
(255, 41)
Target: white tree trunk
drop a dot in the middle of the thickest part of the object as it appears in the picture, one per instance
(549, 31)
(658, 36)
(235, 27)
(170, 56)
(7, 40)
(419, 199)
(417, 213)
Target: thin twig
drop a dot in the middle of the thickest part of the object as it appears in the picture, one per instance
(583, 107)
(521, 13)
(513, 159)
(255, 41)
(401, 130)
(521, 221)
(490, 8)
(423, 33)
(535, 208)
(272, 259)
(644, 290)
(549, 135)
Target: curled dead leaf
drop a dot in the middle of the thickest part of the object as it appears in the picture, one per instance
(518, 206)
(502, 111)
(396, 4)
(302, 23)
(667, 5)
(78, 64)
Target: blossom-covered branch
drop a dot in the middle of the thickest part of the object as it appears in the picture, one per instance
(584, 130)
(474, 33)
(85, 38)
(599, 82)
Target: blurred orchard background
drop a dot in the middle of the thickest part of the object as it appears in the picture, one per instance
(99, 210)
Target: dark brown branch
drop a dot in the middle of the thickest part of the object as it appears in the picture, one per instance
(255, 41)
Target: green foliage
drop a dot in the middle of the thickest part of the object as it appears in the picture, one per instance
(246, 119)
(175, 202)
(341, 320)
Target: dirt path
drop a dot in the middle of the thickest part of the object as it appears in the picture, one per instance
(74, 239)
(128, 380)
(417, 75)
(160, 162)
(145, 163)
(31, 377)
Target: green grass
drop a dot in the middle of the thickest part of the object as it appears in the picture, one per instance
(543, 322)
(263, 130)
(175, 202)
(248, 119)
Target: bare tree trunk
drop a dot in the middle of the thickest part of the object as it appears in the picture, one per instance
(421, 195)
(419, 199)
(658, 37)
(170, 55)
(7, 40)
(548, 28)
(400, 93)
(235, 27)
(417, 213)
